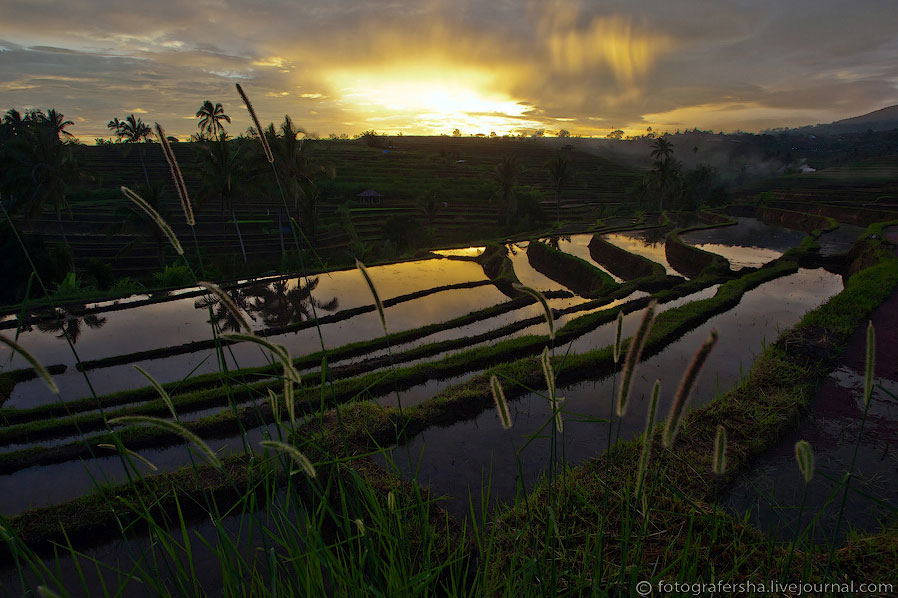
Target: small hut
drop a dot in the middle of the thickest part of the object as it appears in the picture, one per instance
(370, 197)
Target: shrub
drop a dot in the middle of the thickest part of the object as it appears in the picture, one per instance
(99, 273)
(174, 276)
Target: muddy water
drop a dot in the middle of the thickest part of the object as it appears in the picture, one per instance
(454, 459)
(839, 240)
(749, 243)
(646, 243)
(772, 490)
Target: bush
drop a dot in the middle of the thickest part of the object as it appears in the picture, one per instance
(52, 262)
(174, 276)
(126, 286)
(99, 273)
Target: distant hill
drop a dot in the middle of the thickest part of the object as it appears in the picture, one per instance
(884, 119)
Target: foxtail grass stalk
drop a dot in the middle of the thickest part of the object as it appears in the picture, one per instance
(291, 451)
(174, 428)
(162, 392)
(619, 326)
(155, 217)
(261, 133)
(176, 176)
(719, 458)
(130, 453)
(647, 439)
(804, 456)
(228, 303)
(637, 343)
(549, 373)
(678, 408)
(868, 395)
(501, 403)
(547, 311)
(377, 301)
(38, 366)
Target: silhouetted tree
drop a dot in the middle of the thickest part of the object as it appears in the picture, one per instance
(210, 116)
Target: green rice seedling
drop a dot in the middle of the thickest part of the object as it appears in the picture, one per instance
(647, 439)
(130, 453)
(377, 301)
(229, 304)
(300, 459)
(162, 392)
(619, 325)
(547, 311)
(501, 404)
(633, 355)
(719, 458)
(678, 408)
(175, 428)
(159, 220)
(176, 176)
(38, 367)
(261, 133)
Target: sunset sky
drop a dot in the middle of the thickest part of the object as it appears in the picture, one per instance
(345, 66)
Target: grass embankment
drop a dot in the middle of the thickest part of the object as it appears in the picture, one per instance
(772, 399)
(499, 268)
(574, 273)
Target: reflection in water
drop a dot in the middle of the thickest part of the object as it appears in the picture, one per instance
(279, 303)
(749, 243)
(555, 240)
(646, 243)
(66, 323)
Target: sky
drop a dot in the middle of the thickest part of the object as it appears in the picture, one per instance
(430, 67)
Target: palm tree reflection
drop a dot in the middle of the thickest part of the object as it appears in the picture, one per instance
(66, 323)
(279, 303)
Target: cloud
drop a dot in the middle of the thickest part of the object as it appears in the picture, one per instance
(594, 66)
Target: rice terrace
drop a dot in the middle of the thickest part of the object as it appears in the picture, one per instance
(485, 342)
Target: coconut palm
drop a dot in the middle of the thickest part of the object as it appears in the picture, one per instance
(133, 129)
(662, 149)
(210, 116)
(56, 121)
(225, 176)
(560, 175)
(41, 168)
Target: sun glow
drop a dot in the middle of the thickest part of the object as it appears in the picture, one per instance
(429, 99)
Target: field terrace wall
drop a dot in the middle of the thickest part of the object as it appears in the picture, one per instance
(626, 265)
(796, 220)
(691, 260)
(574, 273)
(848, 214)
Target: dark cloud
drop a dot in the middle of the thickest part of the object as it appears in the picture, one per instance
(594, 65)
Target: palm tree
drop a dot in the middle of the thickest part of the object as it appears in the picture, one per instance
(560, 175)
(42, 169)
(506, 175)
(69, 325)
(210, 118)
(298, 171)
(662, 149)
(224, 177)
(55, 120)
(134, 130)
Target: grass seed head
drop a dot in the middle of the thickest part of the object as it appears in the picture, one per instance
(634, 353)
(377, 301)
(228, 303)
(647, 438)
(298, 457)
(155, 217)
(719, 458)
(176, 176)
(547, 311)
(501, 404)
(871, 362)
(678, 408)
(804, 455)
(38, 366)
(249, 106)
(617, 335)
